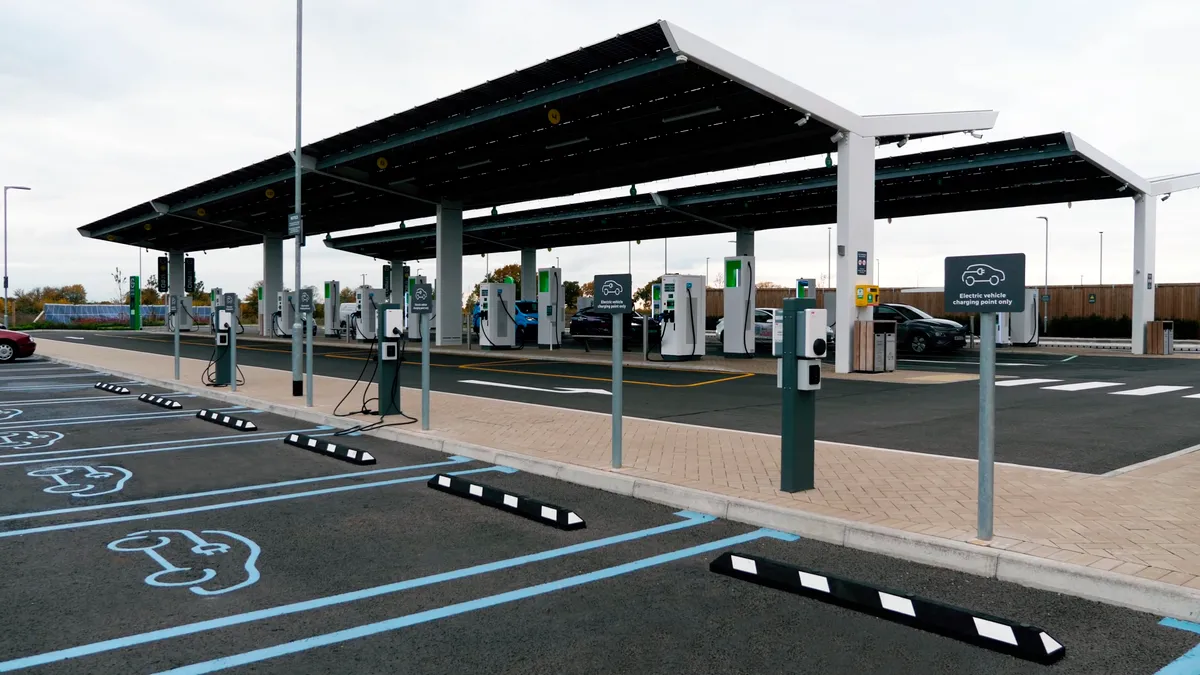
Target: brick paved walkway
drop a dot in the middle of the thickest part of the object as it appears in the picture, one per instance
(1145, 522)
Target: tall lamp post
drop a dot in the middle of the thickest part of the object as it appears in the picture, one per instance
(1046, 287)
(298, 336)
(1101, 257)
(829, 257)
(6, 189)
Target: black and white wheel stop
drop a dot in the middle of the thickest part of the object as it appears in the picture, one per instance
(328, 449)
(549, 514)
(227, 420)
(160, 401)
(111, 388)
(1016, 639)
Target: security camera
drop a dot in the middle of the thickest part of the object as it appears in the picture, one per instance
(804, 120)
(681, 58)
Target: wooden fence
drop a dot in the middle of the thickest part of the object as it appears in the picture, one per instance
(1171, 301)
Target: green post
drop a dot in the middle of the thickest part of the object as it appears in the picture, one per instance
(798, 437)
(135, 303)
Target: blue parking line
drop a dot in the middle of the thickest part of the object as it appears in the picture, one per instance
(123, 446)
(100, 419)
(228, 491)
(231, 505)
(57, 387)
(87, 399)
(397, 623)
(239, 440)
(690, 519)
(1189, 663)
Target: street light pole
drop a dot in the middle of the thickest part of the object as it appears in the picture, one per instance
(297, 329)
(6, 189)
(706, 272)
(1046, 287)
(829, 257)
(1101, 257)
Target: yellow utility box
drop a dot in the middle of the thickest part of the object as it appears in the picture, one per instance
(866, 296)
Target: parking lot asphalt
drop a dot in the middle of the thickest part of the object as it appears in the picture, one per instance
(185, 546)
(1087, 427)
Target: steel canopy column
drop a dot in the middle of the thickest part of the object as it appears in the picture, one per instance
(529, 274)
(1144, 235)
(397, 281)
(448, 317)
(272, 283)
(745, 243)
(855, 234)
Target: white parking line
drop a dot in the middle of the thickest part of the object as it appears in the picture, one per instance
(1021, 383)
(1148, 391)
(1084, 386)
(999, 364)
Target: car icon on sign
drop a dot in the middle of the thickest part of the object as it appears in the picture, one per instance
(421, 294)
(611, 288)
(981, 273)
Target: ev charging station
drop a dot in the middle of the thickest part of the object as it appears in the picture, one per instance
(391, 332)
(497, 321)
(799, 342)
(551, 307)
(366, 313)
(806, 288)
(333, 295)
(285, 314)
(739, 307)
(225, 354)
(414, 327)
(683, 314)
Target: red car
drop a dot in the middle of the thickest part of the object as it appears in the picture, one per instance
(15, 345)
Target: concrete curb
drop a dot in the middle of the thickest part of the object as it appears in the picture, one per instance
(1050, 575)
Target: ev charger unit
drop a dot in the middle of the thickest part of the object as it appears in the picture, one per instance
(551, 307)
(811, 347)
(739, 294)
(413, 321)
(497, 317)
(184, 315)
(333, 294)
(366, 309)
(285, 313)
(390, 320)
(1023, 326)
(683, 317)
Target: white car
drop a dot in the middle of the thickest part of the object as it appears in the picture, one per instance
(764, 321)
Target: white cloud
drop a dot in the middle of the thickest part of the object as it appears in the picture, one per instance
(106, 105)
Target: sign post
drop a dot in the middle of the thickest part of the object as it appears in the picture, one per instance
(421, 304)
(986, 285)
(306, 308)
(614, 296)
(231, 306)
(174, 307)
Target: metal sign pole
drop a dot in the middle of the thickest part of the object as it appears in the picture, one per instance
(308, 358)
(425, 371)
(175, 318)
(618, 363)
(987, 421)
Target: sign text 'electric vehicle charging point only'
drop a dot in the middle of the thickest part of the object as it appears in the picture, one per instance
(421, 304)
(985, 285)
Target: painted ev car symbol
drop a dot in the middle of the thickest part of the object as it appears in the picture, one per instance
(981, 273)
(171, 575)
(91, 479)
(24, 440)
(611, 287)
(8, 413)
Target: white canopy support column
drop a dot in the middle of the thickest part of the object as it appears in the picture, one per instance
(744, 243)
(529, 274)
(272, 283)
(448, 317)
(1144, 231)
(855, 235)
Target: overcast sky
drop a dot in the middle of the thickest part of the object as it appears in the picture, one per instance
(104, 105)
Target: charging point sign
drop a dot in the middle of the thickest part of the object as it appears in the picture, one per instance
(613, 293)
(306, 300)
(421, 299)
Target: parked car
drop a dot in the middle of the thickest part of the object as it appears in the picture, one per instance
(919, 332)
(590, 324)
(523, 311)
(764, 320)
(15, 345)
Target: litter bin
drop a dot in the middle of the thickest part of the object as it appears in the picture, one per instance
(1160, 337)
(875, 346)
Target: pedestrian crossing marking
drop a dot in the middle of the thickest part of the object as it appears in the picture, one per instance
(1149, 391)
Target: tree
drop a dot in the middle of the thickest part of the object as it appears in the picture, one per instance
(150, 294)
(347, 295)
(250, 301)
(588, 288)
(120, 279)
(571, 292)
(73, 294)
(200, 297)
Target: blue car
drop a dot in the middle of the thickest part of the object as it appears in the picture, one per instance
(525, 313)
